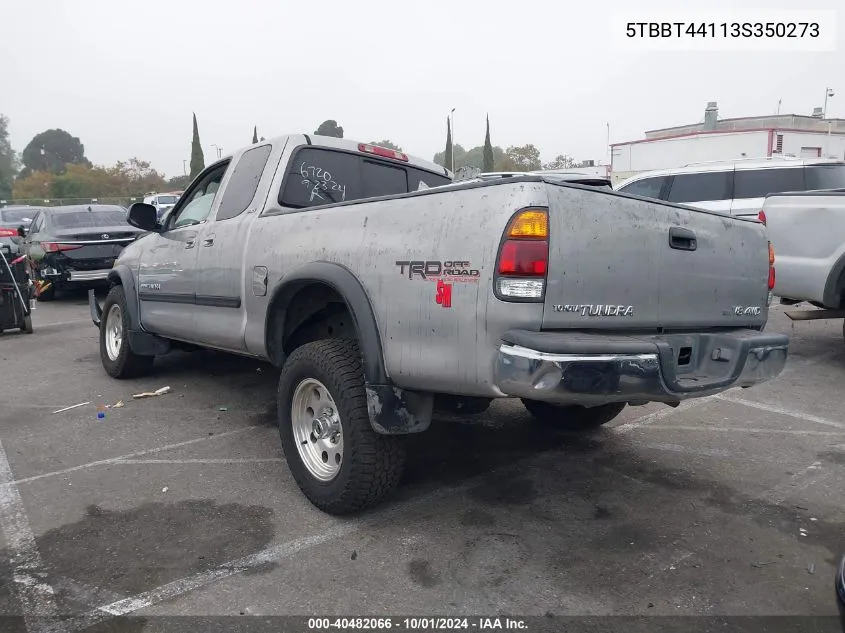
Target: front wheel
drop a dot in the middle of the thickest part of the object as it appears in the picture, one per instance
(573, 417)
(27, 324)
(117, 357)
(338, 461)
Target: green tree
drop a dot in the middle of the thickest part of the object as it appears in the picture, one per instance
(329, 128)
(470, 158)
(387, 144)
(255, 134)
(489, 159)
(448, 155)
(8, 160)
(51, 151)
(522, 158)
(178, 182)
(197, 158)
(562, 161)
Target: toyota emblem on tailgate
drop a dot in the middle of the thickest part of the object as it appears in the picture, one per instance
(105, 236)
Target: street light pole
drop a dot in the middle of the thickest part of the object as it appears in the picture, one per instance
(452, 120)
(828, 92)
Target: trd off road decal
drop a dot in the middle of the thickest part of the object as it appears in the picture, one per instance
(444, 273)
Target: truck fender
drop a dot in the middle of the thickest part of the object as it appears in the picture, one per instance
(392, 411)
(832, 297)
(141, 342)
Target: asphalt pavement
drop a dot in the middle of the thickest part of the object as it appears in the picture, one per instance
(182, 505)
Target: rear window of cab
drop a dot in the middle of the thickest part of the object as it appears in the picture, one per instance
(318, 176)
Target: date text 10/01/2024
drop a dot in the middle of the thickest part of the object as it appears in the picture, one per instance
(417, 624)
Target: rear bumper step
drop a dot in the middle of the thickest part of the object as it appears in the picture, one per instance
(593, 369)
(89, 275)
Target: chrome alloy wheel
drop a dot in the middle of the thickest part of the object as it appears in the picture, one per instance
(114, 332)
(316, 429)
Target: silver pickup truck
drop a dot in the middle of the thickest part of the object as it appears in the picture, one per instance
(383, 292)
(807, 231)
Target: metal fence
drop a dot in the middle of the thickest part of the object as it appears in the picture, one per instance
(122, 201)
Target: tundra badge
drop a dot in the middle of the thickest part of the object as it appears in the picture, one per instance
(597, 310)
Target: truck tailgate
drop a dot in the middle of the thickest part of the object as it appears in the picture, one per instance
(627, 263)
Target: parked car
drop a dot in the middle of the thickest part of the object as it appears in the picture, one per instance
(380, 301)
(163, 202)
(75, 246)
(735, 187)
(14, 216)
(807, 230)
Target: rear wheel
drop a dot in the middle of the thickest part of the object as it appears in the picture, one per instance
(117, 357)
(573, 417)
(338, 461)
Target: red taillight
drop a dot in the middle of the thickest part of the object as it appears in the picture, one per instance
(772, 278)
(524, 258)
(53, 247)
(762, 217)
(382, 151)
(8, 233)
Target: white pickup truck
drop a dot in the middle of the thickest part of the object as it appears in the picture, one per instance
(383, 290)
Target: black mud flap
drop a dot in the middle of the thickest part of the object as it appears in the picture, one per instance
(95, 308)
(395, 411)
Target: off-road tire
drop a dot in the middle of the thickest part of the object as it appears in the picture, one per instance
(573, 417)
(128, 364)
(372, 463)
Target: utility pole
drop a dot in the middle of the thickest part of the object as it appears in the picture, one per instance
(452, 119)
(185, 167)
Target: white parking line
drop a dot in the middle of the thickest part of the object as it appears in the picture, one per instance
(242, 460)
(781, 411)
(113, 460)
(745, 429)
(29, 574)
(658, 415)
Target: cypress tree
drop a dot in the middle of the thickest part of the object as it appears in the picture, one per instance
(255, 134)
(489, 160)
(447, 157)
(197, 158)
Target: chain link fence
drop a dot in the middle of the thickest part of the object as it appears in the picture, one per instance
(123, 201)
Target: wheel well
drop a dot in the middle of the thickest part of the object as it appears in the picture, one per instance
(310, 312)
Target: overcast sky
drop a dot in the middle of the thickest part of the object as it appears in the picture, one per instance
(124, 76)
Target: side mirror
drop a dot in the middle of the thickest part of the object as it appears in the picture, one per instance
(22, 231)
(143, 216)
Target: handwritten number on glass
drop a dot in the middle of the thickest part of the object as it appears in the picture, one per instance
(321, 184)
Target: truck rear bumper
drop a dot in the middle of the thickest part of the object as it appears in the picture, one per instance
(593, 369)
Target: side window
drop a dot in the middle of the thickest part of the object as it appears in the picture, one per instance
(196, 204)
(758, 183)
(703, 187)
(647, 187)
(320, 176)
(243, 184)
(378, 179)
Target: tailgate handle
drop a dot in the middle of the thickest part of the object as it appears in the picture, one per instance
(682, 239)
